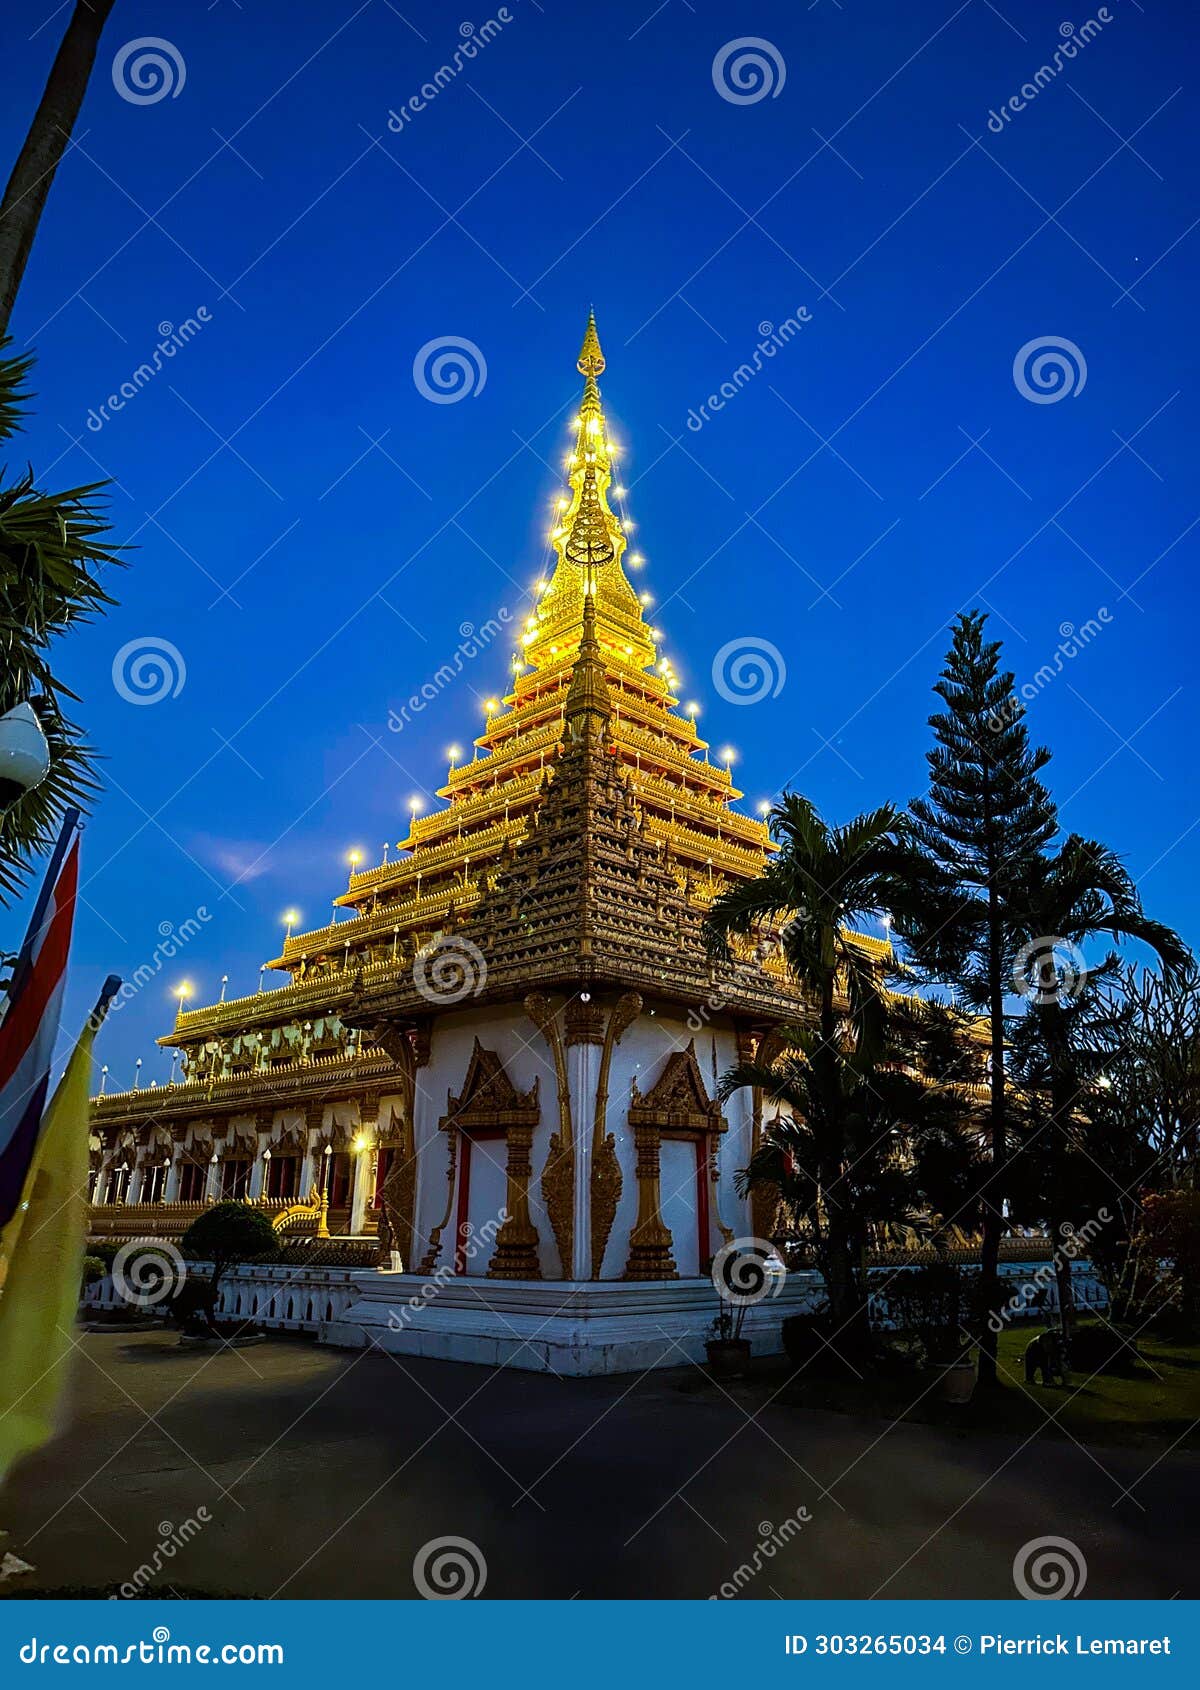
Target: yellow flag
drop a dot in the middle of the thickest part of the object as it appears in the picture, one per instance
(44, 1245)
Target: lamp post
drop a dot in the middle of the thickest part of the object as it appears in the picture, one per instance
(323, 1216)
(137, 1075)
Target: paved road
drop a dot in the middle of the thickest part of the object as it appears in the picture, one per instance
(323, 1473)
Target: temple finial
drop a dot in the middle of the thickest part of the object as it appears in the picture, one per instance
(588, 709)
(591, 359)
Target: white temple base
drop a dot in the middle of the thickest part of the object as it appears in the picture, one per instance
(554, 1326)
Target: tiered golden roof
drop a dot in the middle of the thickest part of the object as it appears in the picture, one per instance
(586, 653)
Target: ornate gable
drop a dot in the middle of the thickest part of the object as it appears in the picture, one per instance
(488, 1097)
(678, 1100)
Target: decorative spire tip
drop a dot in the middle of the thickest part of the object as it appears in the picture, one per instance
(591, 359)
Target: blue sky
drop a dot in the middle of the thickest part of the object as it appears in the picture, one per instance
(309, 532)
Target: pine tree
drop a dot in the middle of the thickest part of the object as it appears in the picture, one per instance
(985, 818)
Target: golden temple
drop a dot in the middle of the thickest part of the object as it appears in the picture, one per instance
(575, 854)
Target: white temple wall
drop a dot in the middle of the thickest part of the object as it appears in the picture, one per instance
(508, 1031)
(642, 1055)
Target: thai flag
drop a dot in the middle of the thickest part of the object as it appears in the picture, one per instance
(29, 1029)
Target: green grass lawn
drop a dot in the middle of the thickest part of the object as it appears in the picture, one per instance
(1157, 1403)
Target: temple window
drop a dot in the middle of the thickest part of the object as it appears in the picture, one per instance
(192, 1178)
(282, 1176)
(235, 1178)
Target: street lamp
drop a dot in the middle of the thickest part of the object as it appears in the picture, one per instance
(290, 918)
(24, 754)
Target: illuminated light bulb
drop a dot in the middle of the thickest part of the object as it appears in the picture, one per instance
(693, 709)
(621, 492)
(354, 857)
(764, 809)
(563, 503)
(630, 525)
(454, 752)
(656, 633)
(727, 755)
(646, 600)
(636, 559)
(416, 805)
(629, 651)
(542, 585)
(183, 991)
(492, 706)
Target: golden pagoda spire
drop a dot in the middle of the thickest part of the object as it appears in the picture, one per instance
(590, 542)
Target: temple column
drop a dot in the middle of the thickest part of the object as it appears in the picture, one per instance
(650, 1240)
(364, 1161)
(584, 1036)
(516, 1252)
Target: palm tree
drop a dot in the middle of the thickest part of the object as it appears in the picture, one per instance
(28, 186)
(822, 882)
(50, 549)
(908, 1164)
(1066, 900)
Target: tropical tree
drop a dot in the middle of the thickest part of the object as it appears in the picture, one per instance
(51, 552)
(1067, 900)
(1152, 1071)
(39, 158)
(985, 817)
(910, 1164)
(822, 882)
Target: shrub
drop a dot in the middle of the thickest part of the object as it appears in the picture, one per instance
(226, 1234)
(937, 1306)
